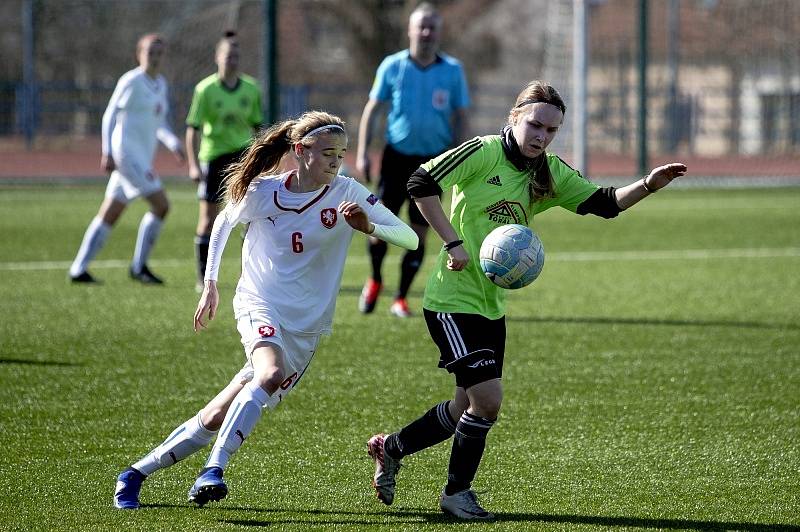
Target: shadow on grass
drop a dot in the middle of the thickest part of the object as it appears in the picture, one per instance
(641, 522)
(27, 362)
(429, 516)
(603, 320)
(436, 517)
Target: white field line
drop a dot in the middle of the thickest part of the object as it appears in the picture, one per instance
(99, 264)
(675, 254)
(567, 256)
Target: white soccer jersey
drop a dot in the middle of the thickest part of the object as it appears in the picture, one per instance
(136, 117)
(295, 248)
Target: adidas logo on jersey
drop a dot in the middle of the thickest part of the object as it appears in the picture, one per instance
(495, 181)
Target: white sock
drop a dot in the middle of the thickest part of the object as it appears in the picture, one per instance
(184, 441)
(244, 413)
(93, 241)
(149, 229)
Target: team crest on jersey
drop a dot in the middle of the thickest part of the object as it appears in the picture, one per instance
(265, 331)
(328, 217)
(507, 212)
(440, 99)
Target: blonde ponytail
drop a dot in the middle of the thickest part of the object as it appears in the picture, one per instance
(262, 157)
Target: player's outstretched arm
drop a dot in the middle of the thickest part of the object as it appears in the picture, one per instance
(192, 148)
(365, 130)
(207, 305)
(355, 216)
(431, 209)
(107, 163)
(384, 225)
(658, 178)
(209, 299)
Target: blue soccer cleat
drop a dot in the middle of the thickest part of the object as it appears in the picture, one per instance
(209, 486)
(129, 483)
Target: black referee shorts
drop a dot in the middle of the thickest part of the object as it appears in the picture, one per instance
(396, 168)
(210, 187)
(471, 346)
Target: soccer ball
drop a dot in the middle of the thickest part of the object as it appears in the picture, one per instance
(512, 256)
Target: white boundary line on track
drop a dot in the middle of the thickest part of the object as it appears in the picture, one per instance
(566, 256)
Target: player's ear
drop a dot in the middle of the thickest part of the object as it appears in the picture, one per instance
(298, 149)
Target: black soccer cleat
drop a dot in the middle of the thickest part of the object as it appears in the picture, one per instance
(85, 278)
(145, 276)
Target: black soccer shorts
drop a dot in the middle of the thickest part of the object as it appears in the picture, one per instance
(396, 169)
(471, 346)
(211, 188)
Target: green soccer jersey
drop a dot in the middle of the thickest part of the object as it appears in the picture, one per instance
(488, 191)
(225, 116)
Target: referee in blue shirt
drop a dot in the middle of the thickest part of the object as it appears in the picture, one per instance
(426, 94)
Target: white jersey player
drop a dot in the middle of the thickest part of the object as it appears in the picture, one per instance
(295, 247)
(133, 123)
(301, 223)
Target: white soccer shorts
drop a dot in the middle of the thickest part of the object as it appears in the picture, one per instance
(131, 180)
(258, 327)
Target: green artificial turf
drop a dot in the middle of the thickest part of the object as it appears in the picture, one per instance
(652, 379)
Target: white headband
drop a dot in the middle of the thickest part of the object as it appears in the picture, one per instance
(323, 128)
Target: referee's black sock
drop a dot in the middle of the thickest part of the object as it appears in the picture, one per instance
(433, 427)
(412, 261)
(201, 248)
(377, 251)
(465, 457)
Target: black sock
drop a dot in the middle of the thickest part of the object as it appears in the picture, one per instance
(377, 251)
(468, 444)
(412, 261)
(201, 248)
(433, 427)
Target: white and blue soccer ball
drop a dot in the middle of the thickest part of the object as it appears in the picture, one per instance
(512, 256)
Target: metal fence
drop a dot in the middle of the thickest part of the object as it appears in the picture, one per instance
(723, 76)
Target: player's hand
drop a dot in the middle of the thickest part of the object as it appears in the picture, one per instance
(363, 166)
(180, 156)
(207, 304)
(195, 173)
(457, 259)
(107, 163)
(663, 175)
(355, 216)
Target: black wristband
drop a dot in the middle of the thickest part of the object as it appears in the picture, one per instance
(453, 244)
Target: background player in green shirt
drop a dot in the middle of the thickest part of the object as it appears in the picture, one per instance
(496, 180)
(224, 114)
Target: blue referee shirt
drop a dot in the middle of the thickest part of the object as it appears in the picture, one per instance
(422, 101)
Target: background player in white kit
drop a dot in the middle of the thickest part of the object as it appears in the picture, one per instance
(133, 123)
(301, 223)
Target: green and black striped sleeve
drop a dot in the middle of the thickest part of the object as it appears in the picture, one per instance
(446, 170)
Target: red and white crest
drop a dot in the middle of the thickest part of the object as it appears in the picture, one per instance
(266, 331)
(440, 99)
(328, 217)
